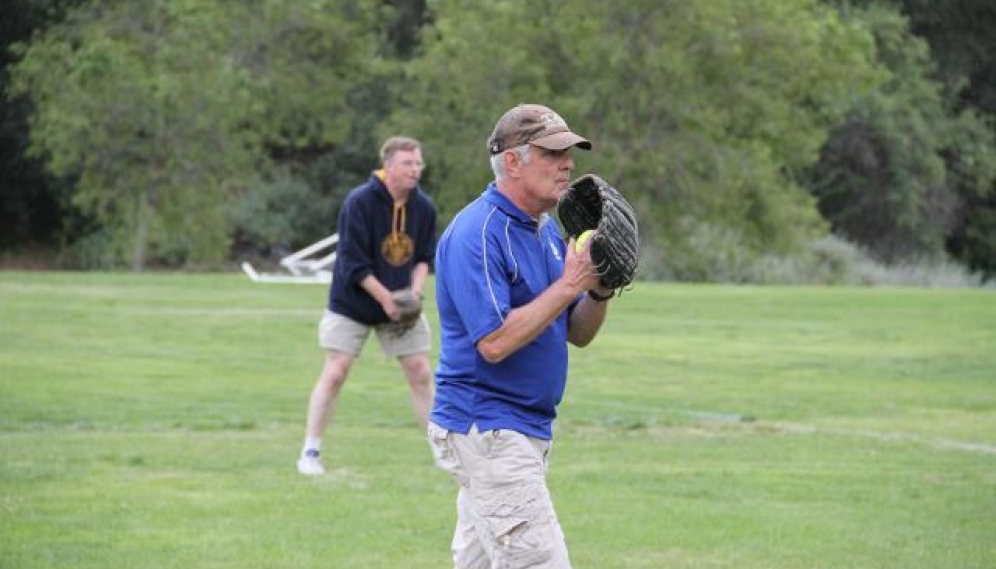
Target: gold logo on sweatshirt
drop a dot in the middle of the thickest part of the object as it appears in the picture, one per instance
(397, 248)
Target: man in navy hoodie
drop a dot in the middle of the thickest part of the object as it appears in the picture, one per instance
(387, 240)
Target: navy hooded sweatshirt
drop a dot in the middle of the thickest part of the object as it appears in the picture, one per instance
(377, 237)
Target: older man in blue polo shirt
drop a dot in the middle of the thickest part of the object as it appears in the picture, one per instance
(511, 295)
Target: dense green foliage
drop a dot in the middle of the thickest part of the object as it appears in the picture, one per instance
(904, 169)
(744, 131)
(697, 110)
(153, 421)
(33, 205)
(962, 34)
(166, 108)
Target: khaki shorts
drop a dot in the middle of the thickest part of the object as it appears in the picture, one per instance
(505, 517)
(342, 334)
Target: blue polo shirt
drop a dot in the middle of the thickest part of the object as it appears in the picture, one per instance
(491, 259)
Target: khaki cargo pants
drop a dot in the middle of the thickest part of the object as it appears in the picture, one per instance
(505, 518)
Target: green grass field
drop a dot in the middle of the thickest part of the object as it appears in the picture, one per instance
(153, 421)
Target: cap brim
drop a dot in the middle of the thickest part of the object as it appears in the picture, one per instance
(561, 141)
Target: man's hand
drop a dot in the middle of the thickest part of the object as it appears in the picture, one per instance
(407, 308)
(580, 272)
(390, 307)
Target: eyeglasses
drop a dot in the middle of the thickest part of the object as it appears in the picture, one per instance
(418, 164)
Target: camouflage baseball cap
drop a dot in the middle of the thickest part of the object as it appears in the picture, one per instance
(536, 125)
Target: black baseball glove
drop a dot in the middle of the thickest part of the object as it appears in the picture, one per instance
(591, 203)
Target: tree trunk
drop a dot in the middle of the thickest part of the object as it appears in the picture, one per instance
(141, 234)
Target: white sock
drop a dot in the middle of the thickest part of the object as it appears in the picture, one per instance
(311, 443)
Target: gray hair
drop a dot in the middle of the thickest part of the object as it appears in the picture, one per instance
(498, 162)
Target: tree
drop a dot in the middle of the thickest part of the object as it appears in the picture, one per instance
(165, 110)
(962, 37)
(700, 111)
(893, 176)
(33, 204)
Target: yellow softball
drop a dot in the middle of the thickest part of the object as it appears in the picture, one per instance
(579, 244)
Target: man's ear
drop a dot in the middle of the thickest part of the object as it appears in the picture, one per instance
(513, 164)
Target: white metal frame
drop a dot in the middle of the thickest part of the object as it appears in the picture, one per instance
(304, 266)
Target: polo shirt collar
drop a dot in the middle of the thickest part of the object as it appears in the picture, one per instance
(493, 196)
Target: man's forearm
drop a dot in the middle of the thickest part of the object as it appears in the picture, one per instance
(375, 288)
(419, 274)
(586, 320)
(523, 324)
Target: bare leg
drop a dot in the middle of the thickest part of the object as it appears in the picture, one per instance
(419, 375)
(326, 392)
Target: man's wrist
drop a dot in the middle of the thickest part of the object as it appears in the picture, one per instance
(599, 296)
